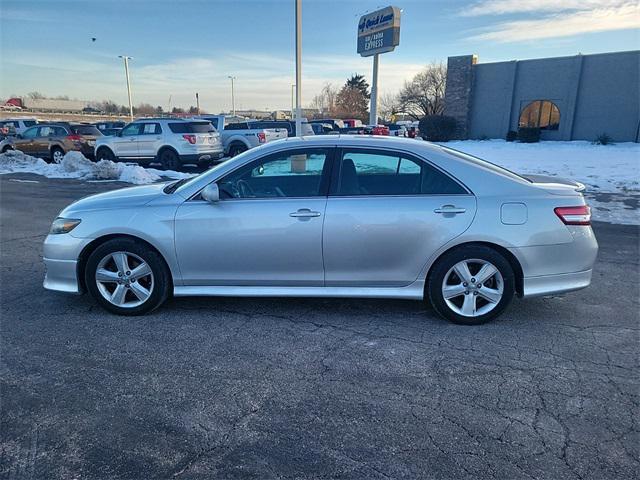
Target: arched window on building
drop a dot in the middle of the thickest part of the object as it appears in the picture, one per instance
(543, 114)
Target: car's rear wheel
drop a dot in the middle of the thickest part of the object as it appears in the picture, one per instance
(471, 285)
(105, 154)
(169, 160)
(6, 148)
(127, 277)
(57, 154)
(237, 149)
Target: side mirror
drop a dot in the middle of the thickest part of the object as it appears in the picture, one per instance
(211, 193)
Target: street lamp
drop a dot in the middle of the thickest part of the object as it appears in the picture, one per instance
(293, 93)
(298, 67)
(126, 72)
(233, 99)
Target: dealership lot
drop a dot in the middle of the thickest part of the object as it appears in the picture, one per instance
(300, 388)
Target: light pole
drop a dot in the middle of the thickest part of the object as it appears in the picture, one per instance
(293, 95)
(233, 99)
(126, 72)
(298, 66)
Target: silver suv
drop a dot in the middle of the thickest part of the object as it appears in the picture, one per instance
(172, 142)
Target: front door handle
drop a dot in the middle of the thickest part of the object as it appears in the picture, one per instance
(450, 209)
(304, 213)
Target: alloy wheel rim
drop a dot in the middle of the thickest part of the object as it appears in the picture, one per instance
(473, 287)
(58, 156)
(124, 279)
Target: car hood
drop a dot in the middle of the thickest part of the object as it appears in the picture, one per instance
(123, 197)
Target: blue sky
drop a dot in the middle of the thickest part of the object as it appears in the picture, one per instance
(181, 46)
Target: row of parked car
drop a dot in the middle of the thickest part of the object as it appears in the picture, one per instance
(171, 142)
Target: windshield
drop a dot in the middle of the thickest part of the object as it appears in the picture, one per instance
(483, 163)
(186, 182)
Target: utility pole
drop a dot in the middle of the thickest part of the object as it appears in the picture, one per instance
(198, 103)
(233, 99)
(373, 112)
(298, 67)
(293, 96)
(126, 72)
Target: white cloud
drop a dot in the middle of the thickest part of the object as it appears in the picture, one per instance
(501, 7)
(567, 23)
(263, 81)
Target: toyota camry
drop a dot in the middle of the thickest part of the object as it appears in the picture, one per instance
(330, 216)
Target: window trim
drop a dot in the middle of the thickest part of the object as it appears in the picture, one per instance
(325, 177)
(337, 170)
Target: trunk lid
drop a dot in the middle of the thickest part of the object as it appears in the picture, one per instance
(556, 185)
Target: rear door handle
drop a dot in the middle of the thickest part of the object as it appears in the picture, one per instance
(450, 209)
(304, 213)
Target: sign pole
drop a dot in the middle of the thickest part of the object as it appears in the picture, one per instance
(298, 67)
(373, 111)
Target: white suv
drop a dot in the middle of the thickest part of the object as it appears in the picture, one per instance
(19, 124)
(172, 142)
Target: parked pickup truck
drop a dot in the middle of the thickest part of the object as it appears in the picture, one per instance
(239, 136)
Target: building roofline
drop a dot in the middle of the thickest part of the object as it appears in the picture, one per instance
(623, 52)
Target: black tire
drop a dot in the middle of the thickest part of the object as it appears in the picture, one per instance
(105, 153)
(161, 284)
(7, 148)
(56, 151)
(169, 160)
(443, 266)
(237, 149)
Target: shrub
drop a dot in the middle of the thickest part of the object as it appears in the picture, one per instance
(529, 134)
(438, 128)
(603, 139)
(512, 136)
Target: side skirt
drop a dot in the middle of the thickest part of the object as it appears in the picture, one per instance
(415, 291)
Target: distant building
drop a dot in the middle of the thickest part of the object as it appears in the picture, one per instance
(569, 98)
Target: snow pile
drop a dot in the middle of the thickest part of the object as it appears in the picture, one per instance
(76, 165)
(611, 173)
(602, 168)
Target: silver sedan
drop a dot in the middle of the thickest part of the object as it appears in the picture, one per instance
(330, 216)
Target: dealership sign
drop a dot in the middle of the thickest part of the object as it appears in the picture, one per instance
(379, 31)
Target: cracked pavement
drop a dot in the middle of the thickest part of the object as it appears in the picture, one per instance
(311, 388)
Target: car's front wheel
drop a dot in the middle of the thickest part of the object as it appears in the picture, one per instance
(471, 285)
(105, 154)
(127, 277)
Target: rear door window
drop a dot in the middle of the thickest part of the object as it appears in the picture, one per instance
(29, 123)
(151, 129)
(378, 172)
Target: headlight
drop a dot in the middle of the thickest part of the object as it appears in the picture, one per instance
(64, 225)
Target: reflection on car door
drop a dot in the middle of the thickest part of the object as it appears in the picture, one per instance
(387, 213)
(27, 143)
(126, 145)
(265, 230)
(149, 139)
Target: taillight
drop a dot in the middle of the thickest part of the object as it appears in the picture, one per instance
(262, 137)
(190, 138)
(574, 215)
(74, 138)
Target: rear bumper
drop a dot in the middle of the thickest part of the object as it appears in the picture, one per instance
(200, 157)
(555, 284)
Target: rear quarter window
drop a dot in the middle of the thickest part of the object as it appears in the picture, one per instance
(86, 130)
(191, 127)
(29, 123)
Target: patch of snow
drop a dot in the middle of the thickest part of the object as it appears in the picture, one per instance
(602, 168)
(611, 173)
(76, 165)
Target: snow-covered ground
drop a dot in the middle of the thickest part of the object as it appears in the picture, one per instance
(611, 173)
(75, 165)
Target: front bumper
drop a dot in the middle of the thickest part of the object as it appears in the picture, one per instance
(60, 255)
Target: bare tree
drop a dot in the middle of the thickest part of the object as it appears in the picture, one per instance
(325, 101)
(424, 94)
(389, 106)
(145, 109)
(36, 96)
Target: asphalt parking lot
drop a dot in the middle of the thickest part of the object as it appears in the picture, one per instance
(310, 389)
